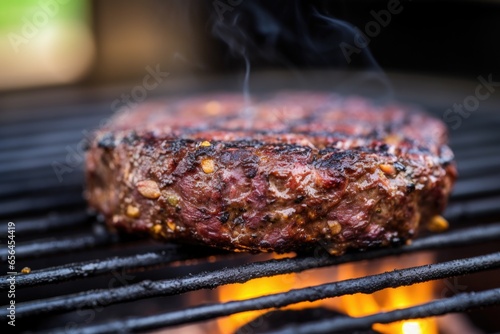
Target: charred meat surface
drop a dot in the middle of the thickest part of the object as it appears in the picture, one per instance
(289, 172)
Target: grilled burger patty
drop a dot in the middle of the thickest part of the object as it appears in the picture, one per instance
(287, 172)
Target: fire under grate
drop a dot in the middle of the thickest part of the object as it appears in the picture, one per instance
(52, 225)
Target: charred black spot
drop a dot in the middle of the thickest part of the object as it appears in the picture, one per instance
(291, 149)
(337, 161)
(107, 141)
(299, 199)
(177, 145)
(205, 213)
(244, 144)
(224, 217)
(247, 161)
(167, 180)
(368, 244)
(150, 140)
(250, 171)
(205, 151)
(226, 157)
(410, 188)
(399, 166)
(239, 220)
(131, 138)
(188, 164)
(265, 244)
(383, 147)
(329, 149)
(250, 166)
(396, 241)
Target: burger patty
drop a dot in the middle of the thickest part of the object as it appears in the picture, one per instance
(287, 172)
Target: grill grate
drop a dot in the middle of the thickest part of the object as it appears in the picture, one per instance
(367, 284)
(459, 303)
(51, 223)
(173, 253)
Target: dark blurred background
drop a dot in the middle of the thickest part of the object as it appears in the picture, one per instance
(100, 42)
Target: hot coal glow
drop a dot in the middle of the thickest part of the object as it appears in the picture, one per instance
(356, 305)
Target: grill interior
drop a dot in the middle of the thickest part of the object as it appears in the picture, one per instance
(81, 274)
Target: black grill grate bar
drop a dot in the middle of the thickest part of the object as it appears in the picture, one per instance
(92, 268)
(213, 279)
(42, 145)
(38, 173)
(71, 271)
(34, 164)
(459, 303)
(477, 186)
(26, 205)
(70, 183)
(45, 139)
(489, 149)
(53, 221)
(473, 208)
(478, 166)
(36, 152)
(366, 284)
(469, 140)
(69, 119)
(55, 246)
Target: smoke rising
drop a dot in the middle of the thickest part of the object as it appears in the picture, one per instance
(295, 35)
(257, 33)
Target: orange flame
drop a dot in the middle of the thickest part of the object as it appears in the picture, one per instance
(356, 305)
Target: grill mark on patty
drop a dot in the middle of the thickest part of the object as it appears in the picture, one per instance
(286, 186)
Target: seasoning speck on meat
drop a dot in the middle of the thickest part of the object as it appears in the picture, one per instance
(303, 170)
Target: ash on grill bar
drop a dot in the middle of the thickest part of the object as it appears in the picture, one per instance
(67, 68)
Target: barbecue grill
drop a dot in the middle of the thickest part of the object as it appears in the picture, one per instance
(86, 279)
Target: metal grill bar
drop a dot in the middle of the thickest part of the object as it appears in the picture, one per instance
(71, 183)
(459, 303)
(477, 186)
(25, 205)
(54, 246)
(50, 222)
(479, 166)
(13, 176)
(65, 119)
(467, 140)
(92, 268)
(473, 209)
(71, 271)
(28, 165)
(489, 149)
(367, 285)
(206, 280)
